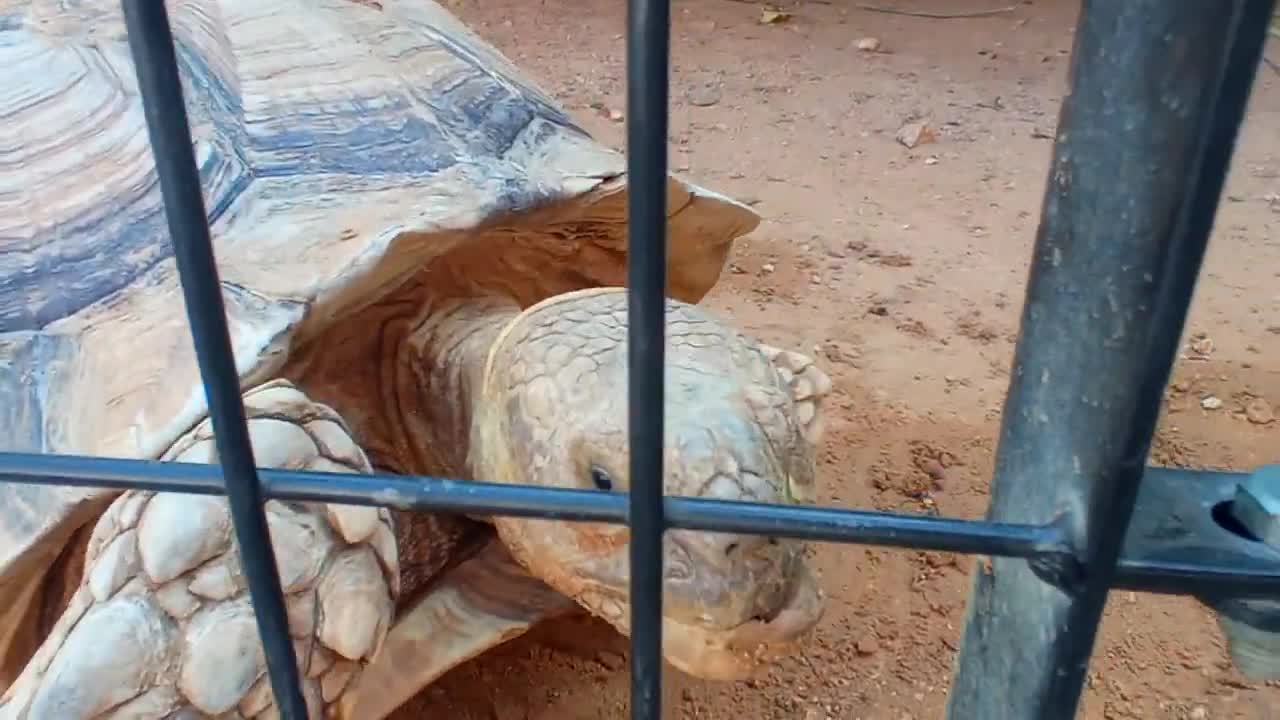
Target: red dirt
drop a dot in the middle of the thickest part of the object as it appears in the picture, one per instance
(924, 251)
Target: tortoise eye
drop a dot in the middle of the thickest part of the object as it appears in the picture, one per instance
(601, 478)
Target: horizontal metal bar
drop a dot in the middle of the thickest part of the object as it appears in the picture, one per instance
(1200, 577)
(156, 65)
(1199, 559)
(918, 532)
(403, 492)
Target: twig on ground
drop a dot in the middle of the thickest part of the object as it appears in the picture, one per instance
(935, 15)
(1275, 67)
(909, 13)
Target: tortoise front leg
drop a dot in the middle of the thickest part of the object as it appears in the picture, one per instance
(161, 625)
(477, 605)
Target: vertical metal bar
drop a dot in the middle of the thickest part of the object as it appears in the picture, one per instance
(1144, 141)
(155, 61)
(648, 42)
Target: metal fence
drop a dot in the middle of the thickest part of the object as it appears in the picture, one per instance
(1158, 90)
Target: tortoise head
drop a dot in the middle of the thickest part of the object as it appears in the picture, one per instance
(554, 413)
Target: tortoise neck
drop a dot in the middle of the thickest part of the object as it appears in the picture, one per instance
(443, 370)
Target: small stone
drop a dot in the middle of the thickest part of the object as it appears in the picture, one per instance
(704, 95)
(1199, 713)
(931, 160)
(932, 468)
(770, 16)
(867, 645)
(768, 267)
(869, 44)
(1259, 412)
(1201, 345)
(615, 115)
(915, 133)
(1211, 403)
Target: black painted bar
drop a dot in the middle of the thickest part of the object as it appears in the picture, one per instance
(648, 38)
(155, 62)
(1206, 560)
(1144, 140)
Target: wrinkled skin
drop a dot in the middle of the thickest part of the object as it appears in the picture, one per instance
(737, 428)
(159, 625)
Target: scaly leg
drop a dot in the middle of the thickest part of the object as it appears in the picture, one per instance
(161, 625)
(477, 605)
(809, 385)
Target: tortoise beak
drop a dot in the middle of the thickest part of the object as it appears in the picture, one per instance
(738, 653)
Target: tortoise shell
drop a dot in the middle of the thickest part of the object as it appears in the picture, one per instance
(342, 146)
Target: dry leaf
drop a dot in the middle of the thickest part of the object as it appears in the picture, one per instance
(770, 16)
(915, 133)
(1201, 345)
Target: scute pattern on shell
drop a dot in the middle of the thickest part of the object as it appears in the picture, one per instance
(344, 115)
(162, 625)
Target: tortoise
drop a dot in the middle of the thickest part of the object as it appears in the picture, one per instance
(422, 258)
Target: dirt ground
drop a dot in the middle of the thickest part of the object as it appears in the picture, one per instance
(904, 270)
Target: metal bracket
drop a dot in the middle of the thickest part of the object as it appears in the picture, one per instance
(1252, 625)
(1185, 518)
